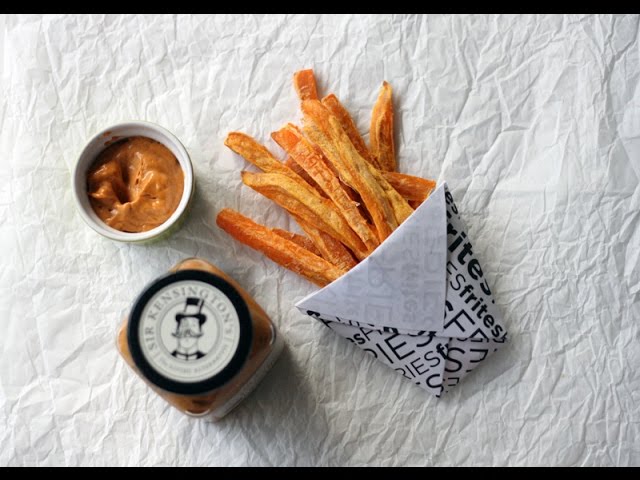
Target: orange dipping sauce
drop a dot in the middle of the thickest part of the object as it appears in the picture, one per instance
(135, 184)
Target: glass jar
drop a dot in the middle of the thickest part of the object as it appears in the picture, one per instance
(198, 339)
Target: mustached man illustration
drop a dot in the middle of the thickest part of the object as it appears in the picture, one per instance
(189, 330)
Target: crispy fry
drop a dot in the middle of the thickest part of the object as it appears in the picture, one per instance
(330, 249)
(320, 153)
(301, 200)
(353, 195)
(285, 252)
(381, 131)
(305, 84)
(401, 208)
(298, 239)
(323, 129)
(348, 125)
(258, 155)
(411, 188)
(291, 163)
(292, 141)
(346, 197)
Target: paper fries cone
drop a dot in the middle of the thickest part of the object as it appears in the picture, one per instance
(420, 302)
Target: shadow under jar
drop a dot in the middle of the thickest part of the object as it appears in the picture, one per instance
(199, 340)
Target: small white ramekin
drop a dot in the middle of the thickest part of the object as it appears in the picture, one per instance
(105, 138)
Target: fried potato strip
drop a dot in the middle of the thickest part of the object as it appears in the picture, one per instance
(349, 126)
(258, 155)
(282, 251)
(324, 130)
(413, 189)
(346, 196)
(292, 141)
(302, 201)
(401, 208)
(291, 163)
(330, 249)
(298, 239)
(381, 131)
(305, 84)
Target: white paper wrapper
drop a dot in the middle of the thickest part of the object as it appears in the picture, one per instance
(419, 303)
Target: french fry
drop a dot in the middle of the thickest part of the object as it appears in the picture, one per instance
(353, 195)
(305, 84)
(258, 155)
(320, 153)
(348, 125)
(346, 197)
(302, 201)
(292, 141)
(291, 163)
(381, 131)
(350, 191)
(413, 189)
(298, 239)
(324, 130)
(400, 206)
(330, 249)
(282, 251)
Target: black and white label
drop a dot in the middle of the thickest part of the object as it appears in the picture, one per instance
(189, 331)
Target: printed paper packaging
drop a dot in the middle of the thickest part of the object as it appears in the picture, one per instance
(420, 303)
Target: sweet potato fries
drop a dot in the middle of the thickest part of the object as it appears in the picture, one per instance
(347, 198)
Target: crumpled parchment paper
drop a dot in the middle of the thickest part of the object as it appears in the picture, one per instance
(534, 123)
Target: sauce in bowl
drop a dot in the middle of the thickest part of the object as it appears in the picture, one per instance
(135, 184)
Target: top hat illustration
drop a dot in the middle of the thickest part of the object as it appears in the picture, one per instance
(192, 308)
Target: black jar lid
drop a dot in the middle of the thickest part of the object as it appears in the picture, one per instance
(189, 332)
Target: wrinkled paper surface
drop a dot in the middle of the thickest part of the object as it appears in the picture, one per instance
(532, 120)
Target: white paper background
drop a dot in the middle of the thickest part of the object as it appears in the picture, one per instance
(533, 121)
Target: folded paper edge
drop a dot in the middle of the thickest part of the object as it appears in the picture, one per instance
(430, 207)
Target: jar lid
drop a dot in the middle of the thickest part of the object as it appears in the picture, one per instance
(189, 332)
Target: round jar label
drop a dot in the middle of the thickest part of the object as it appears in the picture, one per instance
(189, 331)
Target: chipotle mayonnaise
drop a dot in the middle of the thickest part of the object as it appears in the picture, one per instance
(198, 339)
(135, 184)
